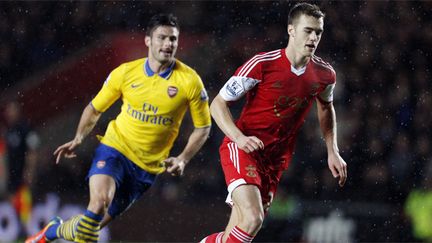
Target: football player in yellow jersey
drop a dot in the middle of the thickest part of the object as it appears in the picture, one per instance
(156, 92)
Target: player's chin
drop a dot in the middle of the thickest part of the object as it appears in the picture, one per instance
(166, 58)
(309, 53)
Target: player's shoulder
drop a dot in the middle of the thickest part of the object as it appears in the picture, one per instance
(267, 55)
(133, 64)
(261, 59)
(185, 70)
(183, 67)
(129, 67)
(320, 63)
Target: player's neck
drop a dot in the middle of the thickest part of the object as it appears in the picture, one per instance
(297, 61)
(158, 67)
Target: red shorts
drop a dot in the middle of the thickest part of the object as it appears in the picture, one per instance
(242, 168)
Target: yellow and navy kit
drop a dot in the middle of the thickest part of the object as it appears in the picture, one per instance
(152, 110)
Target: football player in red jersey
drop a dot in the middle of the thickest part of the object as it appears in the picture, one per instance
(280, 87)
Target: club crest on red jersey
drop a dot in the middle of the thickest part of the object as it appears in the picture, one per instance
(251, 171)
(172, 91)
(100, 164)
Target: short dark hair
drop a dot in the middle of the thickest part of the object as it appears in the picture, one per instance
(159, 20)
(306, 9)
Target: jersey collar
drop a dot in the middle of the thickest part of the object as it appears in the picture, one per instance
(294, 70)
(165, 74)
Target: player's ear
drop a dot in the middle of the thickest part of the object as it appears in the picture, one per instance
(147, 40)
(291, 30)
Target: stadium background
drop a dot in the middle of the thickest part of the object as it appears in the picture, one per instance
(54, 57)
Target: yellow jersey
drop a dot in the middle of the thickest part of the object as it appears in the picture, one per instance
(152, 110)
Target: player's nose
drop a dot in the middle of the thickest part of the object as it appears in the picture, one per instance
(313, 36)
(168, 43)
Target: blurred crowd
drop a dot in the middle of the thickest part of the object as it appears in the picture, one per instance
(379, 50)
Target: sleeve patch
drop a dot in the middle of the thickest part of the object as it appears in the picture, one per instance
(236, 87)
(327, 93)
(204, 95)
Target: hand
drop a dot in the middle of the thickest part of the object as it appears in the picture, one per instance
(249, 144)
(175, 166)
(338, 167)
(67, 150)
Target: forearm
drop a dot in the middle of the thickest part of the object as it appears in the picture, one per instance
(223, 118)
(327, 121)
(87, 122)
(194, 144)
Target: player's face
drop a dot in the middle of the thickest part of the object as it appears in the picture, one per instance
(306, 34)
(163, 43)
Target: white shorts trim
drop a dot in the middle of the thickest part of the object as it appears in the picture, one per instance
(233, 185)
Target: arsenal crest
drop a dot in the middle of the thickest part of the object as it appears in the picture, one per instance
(172, 91)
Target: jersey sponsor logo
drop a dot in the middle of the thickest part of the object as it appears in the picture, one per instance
(251, 171)
(172, 91)
(149, 114)
(135, 85)
(100, 164)
(204, 95)
(283, 102)
(150, 108)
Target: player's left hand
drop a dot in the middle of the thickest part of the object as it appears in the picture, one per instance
(175, 166)
(338, 167)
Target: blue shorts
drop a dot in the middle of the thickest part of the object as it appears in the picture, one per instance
(131, 181)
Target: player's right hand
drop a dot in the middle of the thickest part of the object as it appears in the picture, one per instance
(249, 144)
(66, 150)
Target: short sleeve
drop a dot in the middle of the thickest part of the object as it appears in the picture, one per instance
(198, 103)
(244, 79)
(236, 87)
(111, 90)
(327, 94)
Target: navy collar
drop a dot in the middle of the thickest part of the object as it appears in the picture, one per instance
(165, 74)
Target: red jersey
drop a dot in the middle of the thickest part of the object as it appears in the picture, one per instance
(278, 100)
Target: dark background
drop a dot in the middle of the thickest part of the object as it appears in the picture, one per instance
(54, 57)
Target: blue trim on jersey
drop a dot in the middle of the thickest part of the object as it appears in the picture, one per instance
(131, 181)
(165, 74)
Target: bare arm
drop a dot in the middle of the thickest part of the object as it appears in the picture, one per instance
(195, 142)
(88, 120)
(176, 165)
(223, 117)
(327, 121)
